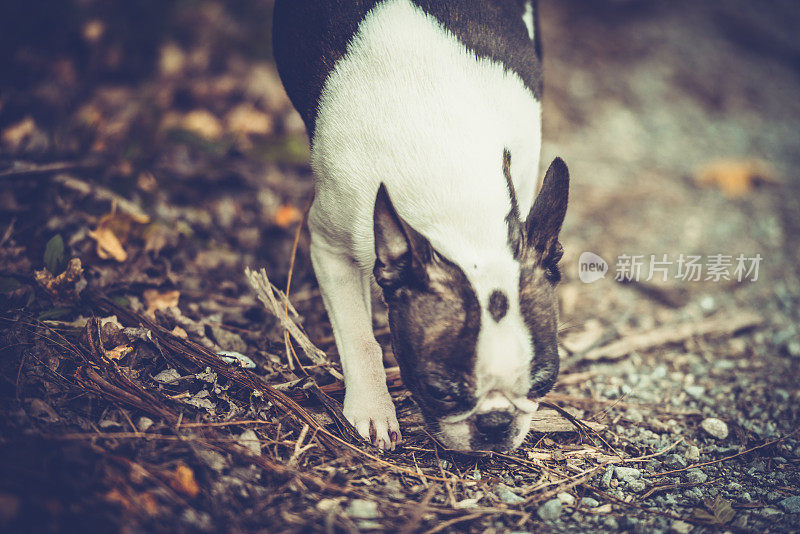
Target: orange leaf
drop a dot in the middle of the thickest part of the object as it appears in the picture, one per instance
(155, 300)
(112, 232)
(180, 332)
(183, 481)
(735, 178)
(117, 353)
(287, 215)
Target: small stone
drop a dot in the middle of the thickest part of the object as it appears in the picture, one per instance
(144, 423)
(695, 392)
(566, 498)
(627, 474)
(589, 502)
(791, 504)
(707, 304)
(634, 416)
(362, 509)
(249, 441)
(211, 458)
(611, 523)
(692, 454)
(637, 486)
(696, 476)
(325, 505)
(550, 510)
(230, 356)
(675, 461)
(167, 375)
(607, 476)
(228, 340)
(680, 527)
(505, 494)
(770, 512)
(715, 427)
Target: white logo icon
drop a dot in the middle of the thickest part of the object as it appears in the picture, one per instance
(591, 267)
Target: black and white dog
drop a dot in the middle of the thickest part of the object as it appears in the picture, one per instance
(425, 125)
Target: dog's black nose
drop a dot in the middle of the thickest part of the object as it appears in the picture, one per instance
(494, 426)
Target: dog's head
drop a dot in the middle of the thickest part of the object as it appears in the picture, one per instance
(474, 362)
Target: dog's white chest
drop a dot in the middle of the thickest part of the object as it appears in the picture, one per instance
(412, 107)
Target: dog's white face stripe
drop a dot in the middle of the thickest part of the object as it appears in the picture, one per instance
(527, 18)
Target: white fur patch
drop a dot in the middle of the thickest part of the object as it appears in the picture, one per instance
(527, 18)
(412, 107)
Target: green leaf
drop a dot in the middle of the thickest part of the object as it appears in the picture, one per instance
(54, 255)
(54, 313)
(122, 302)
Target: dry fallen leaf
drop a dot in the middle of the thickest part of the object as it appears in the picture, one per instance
(735, 177)
(172, 60)
(108, 245)
(112, 232)
(183, 481)
(117, 353)
(287, 215)
(203, 123)
(179, 332)
(245, 119)
(156, 300)
(65, 284)
(14, 136)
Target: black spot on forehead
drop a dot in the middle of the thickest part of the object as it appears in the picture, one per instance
(498, 305)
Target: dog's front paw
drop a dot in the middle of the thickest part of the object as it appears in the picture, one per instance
(374, 417)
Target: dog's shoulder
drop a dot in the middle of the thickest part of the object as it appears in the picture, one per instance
(311, 37)
(504, 31)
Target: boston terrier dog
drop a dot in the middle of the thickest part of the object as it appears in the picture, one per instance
(424, 118)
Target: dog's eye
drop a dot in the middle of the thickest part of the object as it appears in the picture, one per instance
(552, 273)
(551, 263)
(438, 392)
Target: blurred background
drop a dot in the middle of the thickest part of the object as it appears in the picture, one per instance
(153, 141)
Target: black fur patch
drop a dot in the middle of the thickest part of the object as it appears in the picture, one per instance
(494, 29)
(537, 301)
(516, 237)
(310, 36)
(434, 336)
(498, 305)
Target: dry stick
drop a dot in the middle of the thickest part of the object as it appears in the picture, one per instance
(286, 339)
(674, 333)
(413, 522)
(247, 379)
(578, 479)
(639, 507)
(450, 522)
(726, 458)
(98, 383)
(22, 168)
(266, 293)
(229, 423)
(447, 485)
(101, 193)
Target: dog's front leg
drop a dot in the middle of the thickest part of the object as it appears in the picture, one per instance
(345, 291)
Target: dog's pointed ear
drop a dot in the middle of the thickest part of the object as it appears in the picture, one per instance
(547, 214)
(401, 253)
